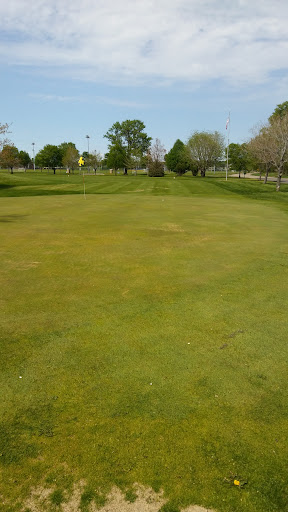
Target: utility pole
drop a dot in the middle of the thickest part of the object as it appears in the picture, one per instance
(228, 137)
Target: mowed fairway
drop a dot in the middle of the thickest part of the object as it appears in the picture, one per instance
(144, 340)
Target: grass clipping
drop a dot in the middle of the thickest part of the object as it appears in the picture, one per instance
(147, 500)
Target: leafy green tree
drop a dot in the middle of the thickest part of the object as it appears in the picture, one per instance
(179, 160)
(116, 157)
(49, 156)
(24, 159)
(238, 157)
(156, 157)
(9, 157)
(128, 137)
(280, 111)
(70, 158)
(175, 155)
(64, 146)
(136, 160)
(185, 164)
(205, 149)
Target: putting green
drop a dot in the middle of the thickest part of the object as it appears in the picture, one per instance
(144, 339)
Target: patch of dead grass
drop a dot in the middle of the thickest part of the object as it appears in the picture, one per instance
(147, 501)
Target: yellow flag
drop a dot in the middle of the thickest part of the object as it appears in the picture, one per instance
(81, 161)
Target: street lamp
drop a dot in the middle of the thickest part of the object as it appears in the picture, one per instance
(88, 137)
(33, 147)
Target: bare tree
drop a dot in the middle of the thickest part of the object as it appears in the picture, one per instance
(278, 144)
(259, 148)
(156, 157)
(3, 130)
(94, 160)
(271, 145)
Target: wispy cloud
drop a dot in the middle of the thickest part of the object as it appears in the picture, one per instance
(117, 102)
(103, 100)
(131, 41)
(41, 97)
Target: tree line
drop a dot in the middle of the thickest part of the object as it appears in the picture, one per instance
(130, 147)
(10, 156)
(266, 151)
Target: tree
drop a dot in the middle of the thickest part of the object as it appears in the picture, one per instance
(24, 159)
(64, 146)
(116, 157)
(258, 150)
(238, 156)
(274, 138)
(3, 130)
(9, 157)
(49, 156)
(128, 137)
(70, 158)
(277, 134)
(185, 164)
(94, 160)
(280, 111)
(175, 155)
(205, 149)
(178, 159)
(136, 160)
(156, 157)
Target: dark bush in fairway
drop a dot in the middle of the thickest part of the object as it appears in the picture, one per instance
(156, 169)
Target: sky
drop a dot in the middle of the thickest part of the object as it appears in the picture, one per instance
(73, 68)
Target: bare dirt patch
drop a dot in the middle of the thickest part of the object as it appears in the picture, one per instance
(168, 227)
(147, 501)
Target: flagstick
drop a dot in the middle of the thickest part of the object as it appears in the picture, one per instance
(228, 135)
(83, 184)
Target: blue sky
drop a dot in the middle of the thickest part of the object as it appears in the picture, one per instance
(71, 69)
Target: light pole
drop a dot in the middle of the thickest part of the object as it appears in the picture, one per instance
(33, 147)
(88, 137)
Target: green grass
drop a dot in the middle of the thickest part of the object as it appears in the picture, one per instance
(38, 184)
(148, 325)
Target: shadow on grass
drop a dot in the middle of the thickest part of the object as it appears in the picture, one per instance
(11, 218)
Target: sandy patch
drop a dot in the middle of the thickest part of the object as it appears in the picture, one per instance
(38, 499)
(169, 226)
(147, 501)
(195, 508)
(23, 265)
(73, 505)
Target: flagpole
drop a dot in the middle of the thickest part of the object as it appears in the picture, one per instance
(228, 136)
